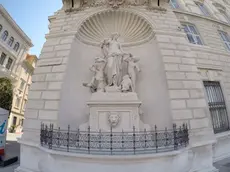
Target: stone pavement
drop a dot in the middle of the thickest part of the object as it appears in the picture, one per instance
(13, 148)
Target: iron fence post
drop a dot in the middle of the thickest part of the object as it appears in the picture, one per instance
(134, 141)
(156, 139)
(175, 137)
(145, 138)
(50, 136)
(111, 140)
(100, 139)
(68, 138)
(166, 137)
(42, 134)
(89, 140)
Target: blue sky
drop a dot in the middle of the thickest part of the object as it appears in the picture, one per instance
(32, 17)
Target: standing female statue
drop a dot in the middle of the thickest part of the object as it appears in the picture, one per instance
(112, 51)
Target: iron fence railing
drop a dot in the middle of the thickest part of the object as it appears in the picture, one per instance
(114, 143)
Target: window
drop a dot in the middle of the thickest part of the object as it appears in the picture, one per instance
(224, 14)
(18, 101)
(203, 9)
(0, 27)
(174, 3)
(5, 35)
(22, 84)
(225, 37)
(2, 58)
(14, 120)
(192, 34)
(9, 63)
(16, 46)
(217, 106)
(11, 41)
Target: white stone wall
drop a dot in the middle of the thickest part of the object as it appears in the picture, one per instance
(182, 65)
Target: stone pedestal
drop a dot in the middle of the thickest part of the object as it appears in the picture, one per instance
(114, 110)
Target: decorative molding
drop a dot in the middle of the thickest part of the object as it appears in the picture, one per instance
(133, 28)
(15, 26)
(80, 5)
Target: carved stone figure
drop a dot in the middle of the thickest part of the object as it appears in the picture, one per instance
(111, 72)
(114, 60)
(132, 65)
(126, 84)
(113, 118)
(115, 3)
(97, 83)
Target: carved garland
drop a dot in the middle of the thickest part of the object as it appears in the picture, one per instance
(78, 5)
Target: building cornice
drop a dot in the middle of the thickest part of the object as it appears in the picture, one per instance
(15, 26)
(202, 16)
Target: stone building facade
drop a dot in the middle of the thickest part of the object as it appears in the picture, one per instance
(21, 87)
(183, 47)
(14, 64)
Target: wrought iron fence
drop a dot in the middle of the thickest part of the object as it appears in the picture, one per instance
(114, 143)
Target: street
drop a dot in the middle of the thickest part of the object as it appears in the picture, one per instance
(12, 148)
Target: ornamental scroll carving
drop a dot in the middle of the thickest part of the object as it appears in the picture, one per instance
(77, 5)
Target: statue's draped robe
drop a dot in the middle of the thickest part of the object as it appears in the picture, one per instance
(114, 63)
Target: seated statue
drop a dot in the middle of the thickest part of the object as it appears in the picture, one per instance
(97, 82)
(126, 84)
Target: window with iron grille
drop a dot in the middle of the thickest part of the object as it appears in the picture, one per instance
(217, 106)
(225, 37)
(192, 34)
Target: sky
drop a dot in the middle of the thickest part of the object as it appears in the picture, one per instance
(32, 17)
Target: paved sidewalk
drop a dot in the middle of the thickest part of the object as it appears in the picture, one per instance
(224, 165)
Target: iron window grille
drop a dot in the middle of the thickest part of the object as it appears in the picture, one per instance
(192, 34)
(114, 143)
(226, 39)
(217, 106)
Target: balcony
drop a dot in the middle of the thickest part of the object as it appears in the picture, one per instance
(4, 72)
(30, 61)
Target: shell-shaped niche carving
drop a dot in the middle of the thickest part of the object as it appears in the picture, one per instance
(133, 28)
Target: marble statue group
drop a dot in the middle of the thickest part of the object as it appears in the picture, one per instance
(115, 70)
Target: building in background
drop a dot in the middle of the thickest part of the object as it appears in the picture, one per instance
(15, 63)
(21, 92)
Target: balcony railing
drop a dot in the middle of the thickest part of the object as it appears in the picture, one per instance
(114, 143)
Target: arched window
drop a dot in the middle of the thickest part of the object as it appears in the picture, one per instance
(16, 46)
(0, 27)
(11, 41)
(5, 35)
